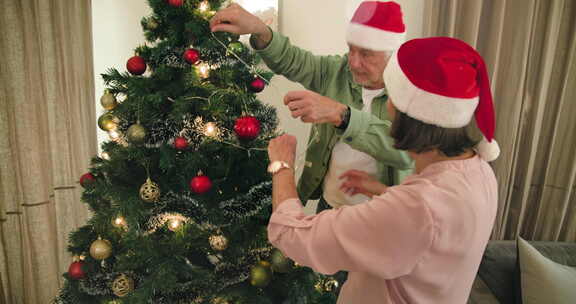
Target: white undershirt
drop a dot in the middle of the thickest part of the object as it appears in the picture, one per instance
(345, 158)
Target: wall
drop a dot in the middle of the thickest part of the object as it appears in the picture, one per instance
(116, 32)
(318, 26)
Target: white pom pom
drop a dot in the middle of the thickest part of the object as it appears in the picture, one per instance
(489, 151)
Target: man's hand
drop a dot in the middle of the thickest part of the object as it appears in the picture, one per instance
(361, 182)
(236, 20)
(314, 108)
(283, 148)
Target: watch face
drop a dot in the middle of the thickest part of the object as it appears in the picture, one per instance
(274, 166)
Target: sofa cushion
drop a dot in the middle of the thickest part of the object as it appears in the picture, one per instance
(543, 280)
(499, 271)
(481, 294)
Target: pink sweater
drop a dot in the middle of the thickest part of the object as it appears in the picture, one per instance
(420, 242)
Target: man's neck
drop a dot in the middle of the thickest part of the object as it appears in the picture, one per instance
(374, 87)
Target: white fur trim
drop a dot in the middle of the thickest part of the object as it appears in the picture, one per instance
(431, 108)
(373, 39)
(489, 151)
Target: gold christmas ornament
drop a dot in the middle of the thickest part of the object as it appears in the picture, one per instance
(108, 100)
(261, 274)
(100, 249)
(151, 24)
(218, 242)
(150, 191)
(107, 122)
(280, 263)
(326, 285)
(330, 285)
(319, 286)
(198, 300)
(219, 300)
(136, 134)
(122, 285)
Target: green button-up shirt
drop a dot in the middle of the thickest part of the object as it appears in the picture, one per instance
(366, 132)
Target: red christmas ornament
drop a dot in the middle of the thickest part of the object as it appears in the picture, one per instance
(176, 3)
(136, 65)
(247, 127)
(87, 179)
(75, 270)
(257, 85)
(191, 56)
(180, 143)
(200, 184)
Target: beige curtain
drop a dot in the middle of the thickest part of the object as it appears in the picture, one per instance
(47, 136)
(530, 49)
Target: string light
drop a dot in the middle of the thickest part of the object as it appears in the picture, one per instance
(105, 155)
(119, 222)
(203, 70)
(110, 125)
(174, 224)
(114, 135)
(204, 6)
(210, 129)
(78, 258)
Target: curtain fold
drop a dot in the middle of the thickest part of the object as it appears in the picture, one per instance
(529, 48)
(47, 137)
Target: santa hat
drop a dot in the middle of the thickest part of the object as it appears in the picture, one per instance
(443, 81)
(377, 26)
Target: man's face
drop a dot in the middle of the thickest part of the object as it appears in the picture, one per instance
(367, 66)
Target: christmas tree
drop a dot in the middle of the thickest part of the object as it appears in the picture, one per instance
(180, 194)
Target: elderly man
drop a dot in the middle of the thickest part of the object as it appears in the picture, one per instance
(347, 99)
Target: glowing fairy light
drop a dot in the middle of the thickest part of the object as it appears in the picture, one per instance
(174, 224)
(204, 70)
(204, 6)
(114, 135)
(210, 129)
(105, 155)
(173, 221)
(119, 222)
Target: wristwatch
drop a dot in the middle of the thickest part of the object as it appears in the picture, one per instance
(275, 166)
(345, 116)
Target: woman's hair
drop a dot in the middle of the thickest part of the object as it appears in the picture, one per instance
(413, 135)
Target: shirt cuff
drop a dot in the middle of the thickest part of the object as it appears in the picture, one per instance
(357, 124)
(287, 215)
(274, 47)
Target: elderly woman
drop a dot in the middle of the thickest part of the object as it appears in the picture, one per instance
(420, 241)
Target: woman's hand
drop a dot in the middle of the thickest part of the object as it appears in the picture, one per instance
(361, 182)
(283, 148)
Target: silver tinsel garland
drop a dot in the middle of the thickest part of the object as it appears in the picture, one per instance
(248, 205)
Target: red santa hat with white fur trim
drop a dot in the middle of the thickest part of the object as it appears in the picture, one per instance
(377, 26)
(444, 82)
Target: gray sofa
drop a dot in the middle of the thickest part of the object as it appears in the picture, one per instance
(498, 280)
